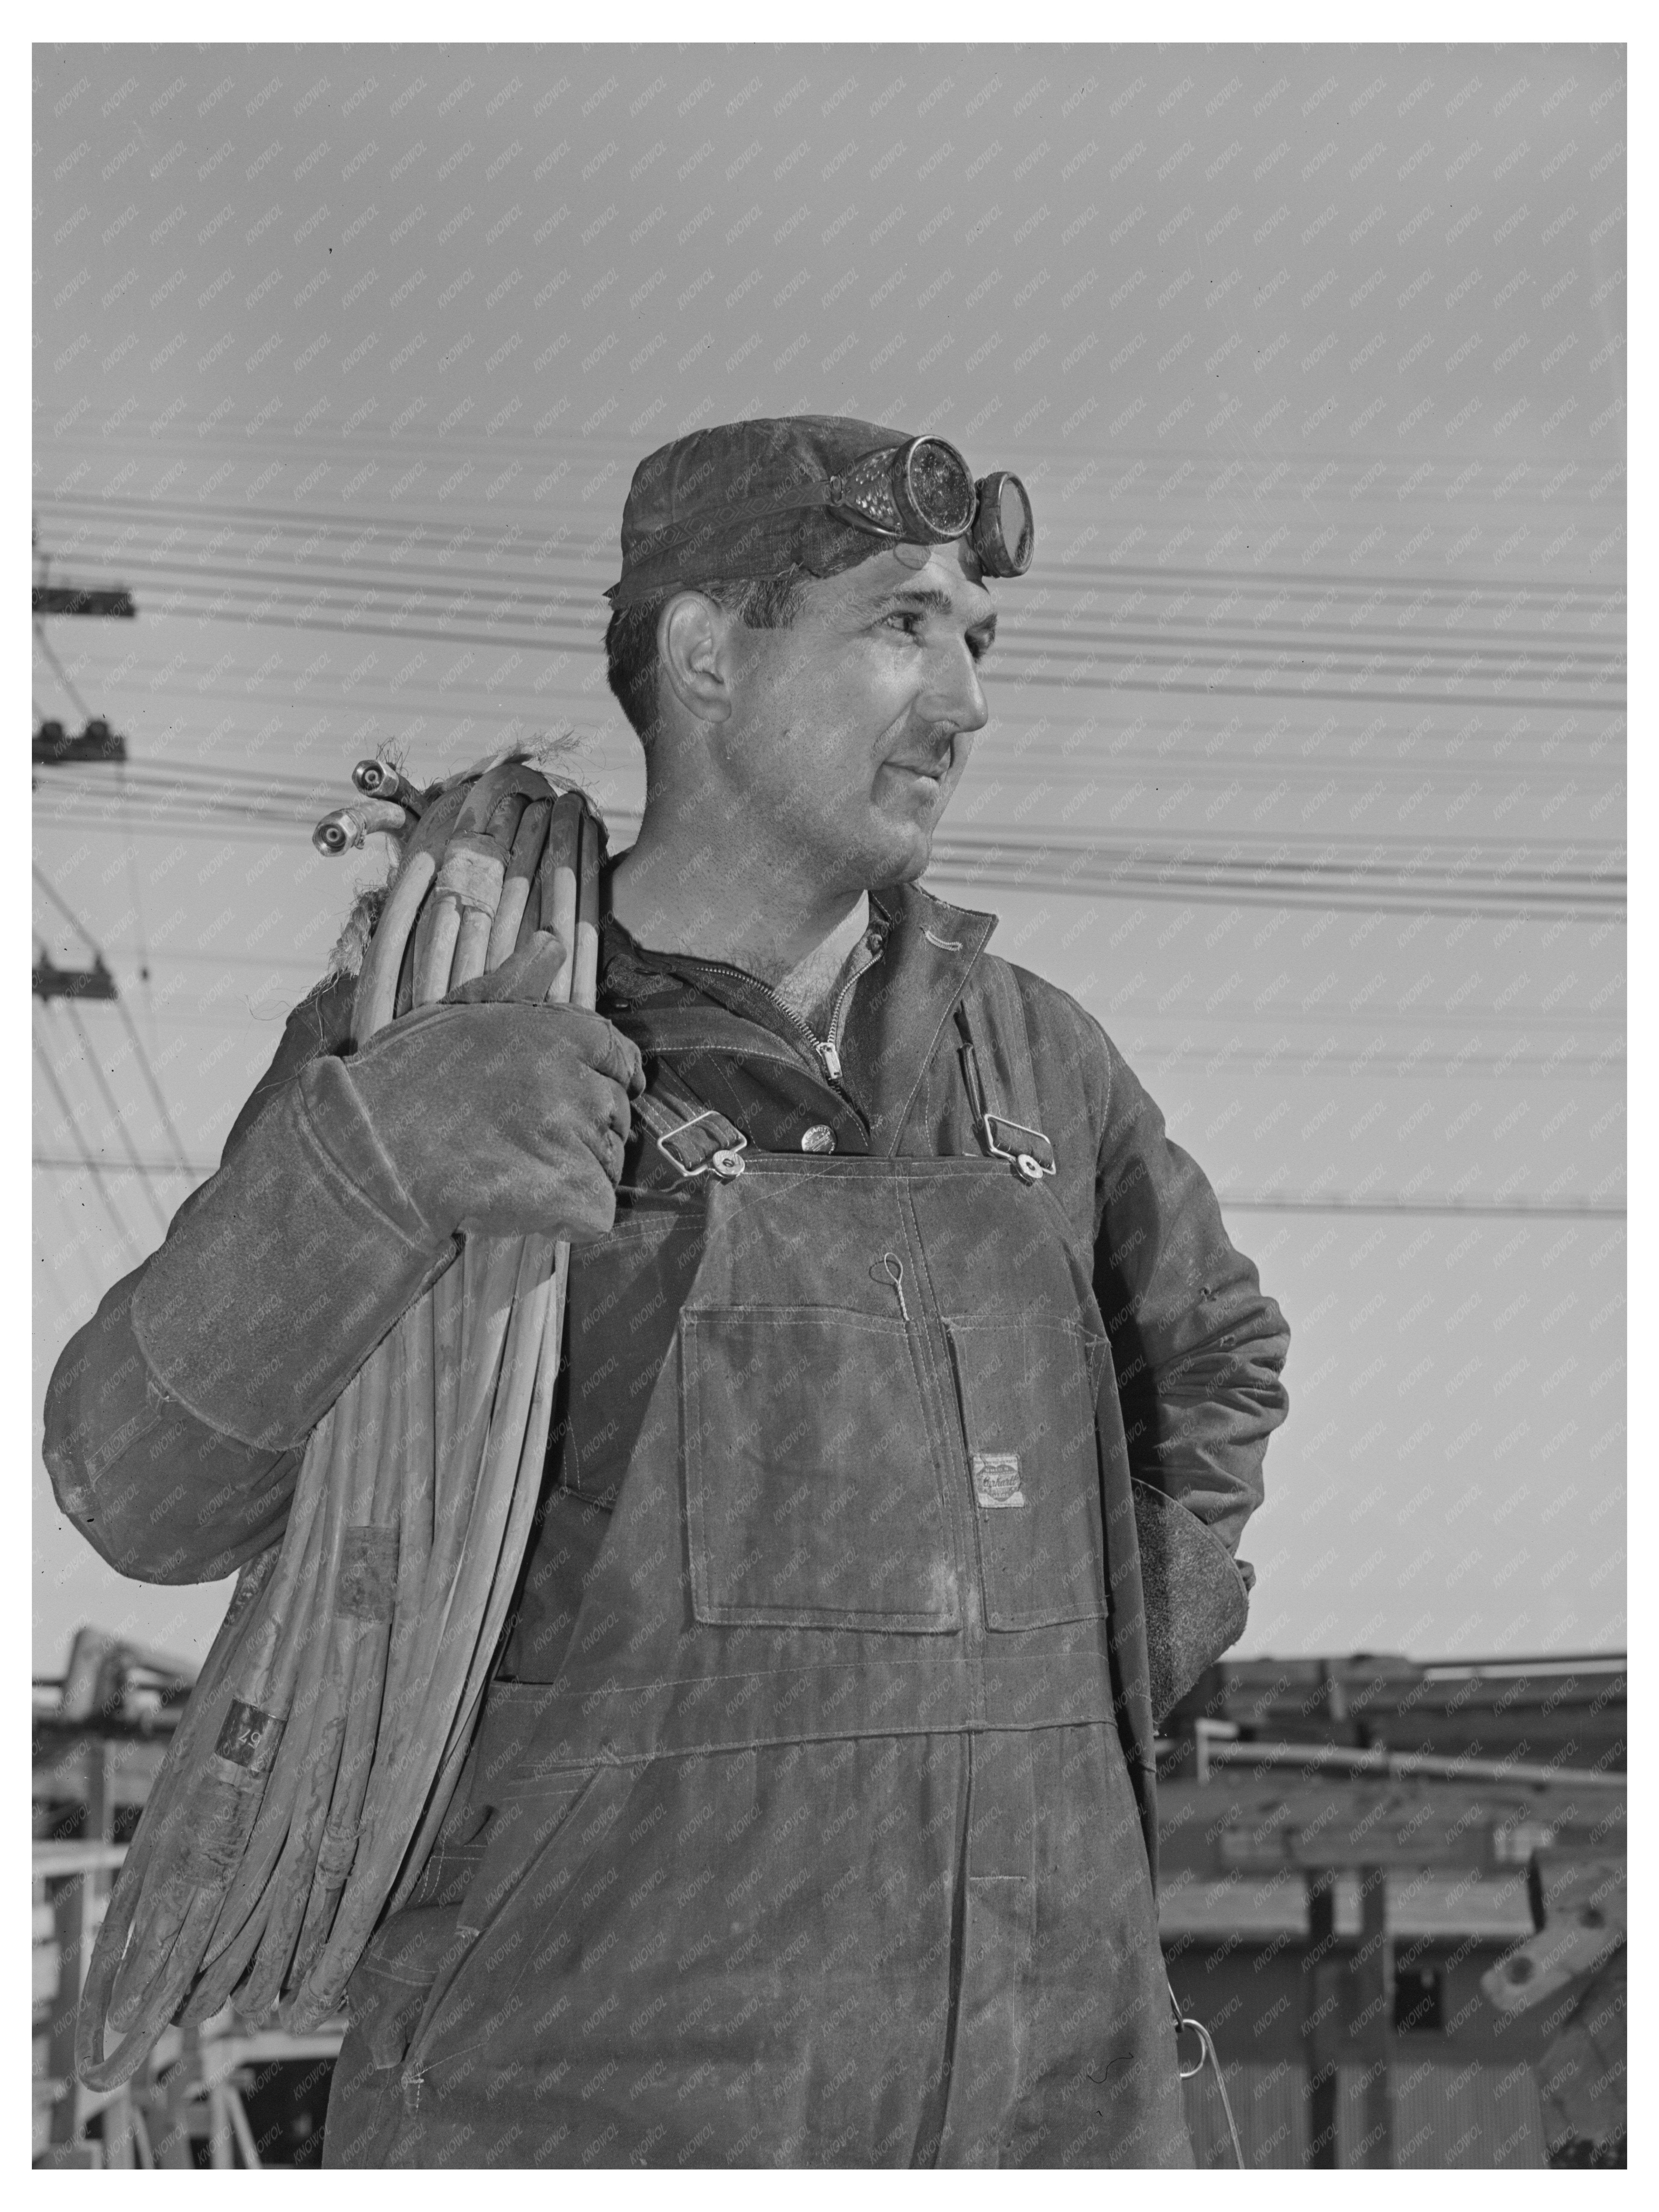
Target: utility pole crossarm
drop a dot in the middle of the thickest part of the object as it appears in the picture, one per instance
(50, 981)
(83, 599)
(53, 746)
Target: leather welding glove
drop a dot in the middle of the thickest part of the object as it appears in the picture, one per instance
(497, 1114)
(337, 1205)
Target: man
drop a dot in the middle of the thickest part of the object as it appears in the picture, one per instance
(809, 1819)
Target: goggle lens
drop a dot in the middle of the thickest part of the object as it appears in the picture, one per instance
(934, 490)
(1005, 529)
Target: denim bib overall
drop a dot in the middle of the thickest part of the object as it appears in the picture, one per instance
(820, 1847)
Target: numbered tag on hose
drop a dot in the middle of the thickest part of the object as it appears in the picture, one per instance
(249, 1737)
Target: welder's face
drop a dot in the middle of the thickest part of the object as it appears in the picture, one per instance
(851, 728)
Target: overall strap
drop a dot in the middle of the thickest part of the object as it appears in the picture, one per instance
(695, 1140)
(996, 1062)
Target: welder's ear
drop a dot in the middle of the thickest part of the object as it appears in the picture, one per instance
(527, 976)
(691, 632)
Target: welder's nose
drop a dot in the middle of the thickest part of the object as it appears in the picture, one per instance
(955, 696)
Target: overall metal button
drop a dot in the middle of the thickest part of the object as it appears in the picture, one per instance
(820, 1138)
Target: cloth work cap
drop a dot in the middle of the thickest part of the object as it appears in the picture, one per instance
(690, 515)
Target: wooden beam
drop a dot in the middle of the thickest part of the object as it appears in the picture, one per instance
(1371, 2022)
(1257, 1824)
(1320, 1999)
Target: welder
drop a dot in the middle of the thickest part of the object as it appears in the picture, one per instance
(913, 1403)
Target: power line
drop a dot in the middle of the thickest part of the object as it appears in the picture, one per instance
(1318, 584)
(1129, 679)
(1033, 772)
(1001, 760)
(261, 435)
(1497, 861)
(377, 573)
(150, 1079)
(577, 607)
(1354, 695)
(1155, 576)
(179, 671)
(1127, 659)
(75, 1240)
(139, 1051)
(1313, 1064)
(1124, 1010)
(93, 1168)
(1578, 1067)
(197, 955)
(1441, 642)
(1543, 1209)
(1141, 869)
(64, 908)
(62, 1162)
(117, 1118)
(80, 704)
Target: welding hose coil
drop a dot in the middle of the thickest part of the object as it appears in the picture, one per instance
(324, 1739)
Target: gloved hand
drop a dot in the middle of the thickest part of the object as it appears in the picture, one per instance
(337, 1204)
(497, 1113)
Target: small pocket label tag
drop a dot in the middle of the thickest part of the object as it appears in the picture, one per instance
(996, 1479)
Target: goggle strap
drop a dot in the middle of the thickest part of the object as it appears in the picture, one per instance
(863, 493)
(863, 489)
(717, 519)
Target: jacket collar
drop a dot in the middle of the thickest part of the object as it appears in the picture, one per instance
(902, 1007)
(898, 1011)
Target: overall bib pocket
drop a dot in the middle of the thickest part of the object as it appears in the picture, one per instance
(1027, 1393)
(814, 1496)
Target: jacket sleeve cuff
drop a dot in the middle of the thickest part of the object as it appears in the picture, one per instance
(1196, 1599)
(284, 1271)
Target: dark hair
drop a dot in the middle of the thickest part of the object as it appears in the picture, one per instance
(630, 637)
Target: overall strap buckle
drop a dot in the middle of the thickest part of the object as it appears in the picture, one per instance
(996, 1061)
(1035, 1158)
(696, 1143)
(716, 1151)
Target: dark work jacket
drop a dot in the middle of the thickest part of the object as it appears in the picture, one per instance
(1196, 1350)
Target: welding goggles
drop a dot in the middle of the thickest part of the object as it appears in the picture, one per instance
(759, 497)
(924, 493)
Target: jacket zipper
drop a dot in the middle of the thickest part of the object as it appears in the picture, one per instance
(829, 1050)
(826, 1050)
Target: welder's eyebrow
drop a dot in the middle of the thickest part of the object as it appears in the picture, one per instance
(926, 599)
